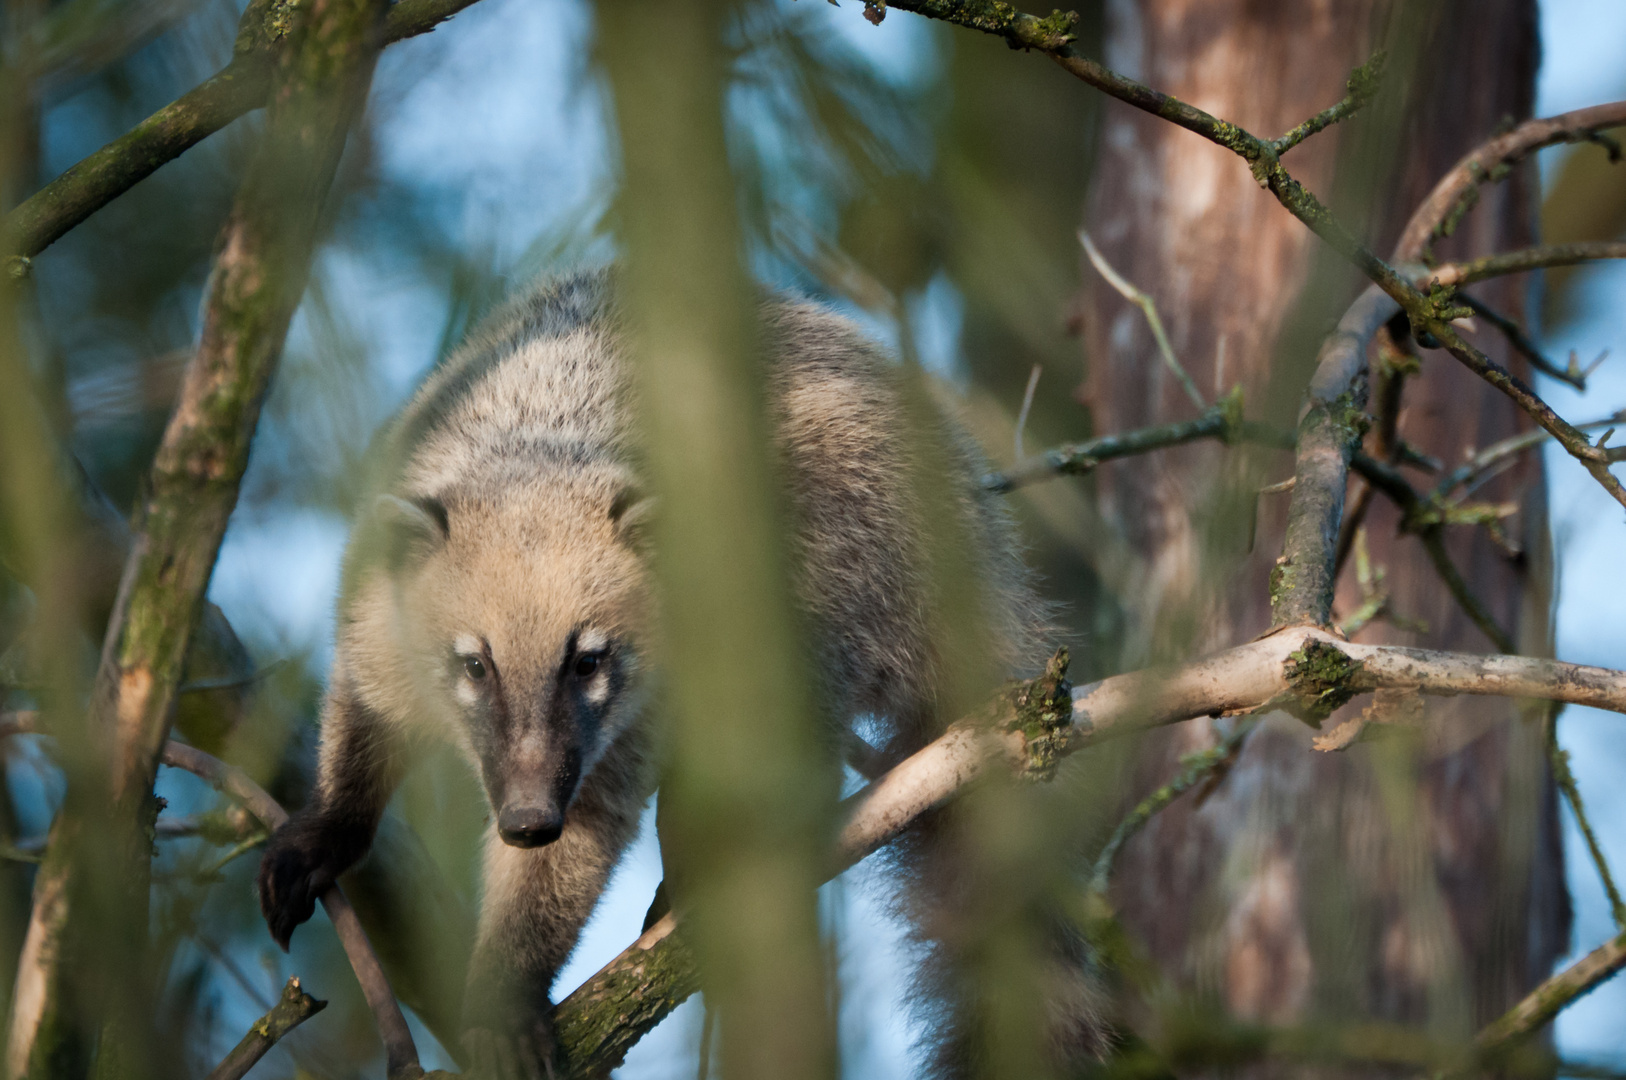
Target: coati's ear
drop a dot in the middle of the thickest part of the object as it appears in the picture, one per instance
(409, 529)
(631, 512)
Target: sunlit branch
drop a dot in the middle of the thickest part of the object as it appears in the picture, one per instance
(1430, 314)
(1457, 191)
(1298, 667)
(1148, 308)
(294, 1008)
(242, 86)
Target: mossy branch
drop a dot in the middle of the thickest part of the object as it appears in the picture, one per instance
(242, 86)
(1222, 420)
(1361, 88)
(1565, 779)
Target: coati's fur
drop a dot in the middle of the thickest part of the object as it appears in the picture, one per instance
(496, 595)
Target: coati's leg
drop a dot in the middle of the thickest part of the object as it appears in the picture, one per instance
(361, 762)
(536, 901)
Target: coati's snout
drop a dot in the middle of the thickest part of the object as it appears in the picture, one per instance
(531, 798)
(530, 826)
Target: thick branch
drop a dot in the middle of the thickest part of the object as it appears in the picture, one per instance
(240, 87)
(1300, 666)
(293, 1009)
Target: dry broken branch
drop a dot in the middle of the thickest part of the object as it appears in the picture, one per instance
(293, 1009)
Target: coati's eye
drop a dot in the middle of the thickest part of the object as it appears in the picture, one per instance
(474, 667)
(587, 665)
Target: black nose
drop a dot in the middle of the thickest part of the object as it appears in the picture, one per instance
(530, 826)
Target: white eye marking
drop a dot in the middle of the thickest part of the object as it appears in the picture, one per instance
(592, 641)
(467, 645)
(598, 689)
(465, 692)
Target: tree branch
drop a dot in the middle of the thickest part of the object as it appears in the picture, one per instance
(1518, 262)
(1552, 996)
(1300, 667)
(294, 1008)
(320, 81)
(1457, 191)
(242, 86)
(400, 1051)
(1222, 420)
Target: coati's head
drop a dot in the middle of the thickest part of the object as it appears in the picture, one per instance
(522, 611)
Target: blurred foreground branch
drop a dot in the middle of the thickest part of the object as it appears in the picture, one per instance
(1304, 669)
(242, 86)
(99, 857)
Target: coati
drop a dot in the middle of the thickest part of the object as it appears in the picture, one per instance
(495, 594)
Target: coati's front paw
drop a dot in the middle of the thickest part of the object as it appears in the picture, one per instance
(511, 1049)
(302, 861)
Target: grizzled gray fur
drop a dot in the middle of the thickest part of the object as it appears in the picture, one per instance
(495, 595)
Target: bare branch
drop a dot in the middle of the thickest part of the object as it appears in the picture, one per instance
(1457, 190)
(1300, 667)
(400, 1052)
(240, 87)
(1523, 345)
(1222, 420)
(1518, 262)
(1565, 779)
(1194, 769)
(293, 1009)
(1148, 308)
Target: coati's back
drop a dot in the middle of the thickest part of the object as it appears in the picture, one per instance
(497, 593)
(540, 393)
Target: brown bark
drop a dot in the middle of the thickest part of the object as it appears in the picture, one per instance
(1412, 881)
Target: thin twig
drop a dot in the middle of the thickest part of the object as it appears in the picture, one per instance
(1522, 344)
(1222, 420)
(1518, 262)
(1194, 769)
(1360, 89)
(293, 1009)
(1027, 405)
(400, 1051)
(1149, 308)
(1565, 779)
(1469, 471)
(1546, 1001)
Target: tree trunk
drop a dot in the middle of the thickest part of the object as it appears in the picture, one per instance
(1416, 878)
